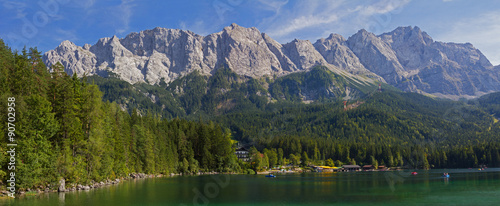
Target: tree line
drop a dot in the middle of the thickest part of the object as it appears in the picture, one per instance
(65, 130)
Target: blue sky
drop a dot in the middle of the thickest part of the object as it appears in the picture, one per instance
(46, 23)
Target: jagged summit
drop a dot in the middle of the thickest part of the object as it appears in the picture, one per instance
(406, 57)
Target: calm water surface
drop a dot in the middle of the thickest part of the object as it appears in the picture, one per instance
(464, 187)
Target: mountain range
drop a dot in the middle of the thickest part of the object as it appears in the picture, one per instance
(406, 58)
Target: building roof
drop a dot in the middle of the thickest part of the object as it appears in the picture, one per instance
(327, 167)
(241, 149)
(351, 166)
(368, 166)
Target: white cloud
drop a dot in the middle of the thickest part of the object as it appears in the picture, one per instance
(19, 7)
(63, 35)
(198, 27)
(124, 12)
(302, 16)
(303, 22)
(382, 7)
(310, 19)
(482, 31)
(83, 4)
(272, 5)
(86, 3)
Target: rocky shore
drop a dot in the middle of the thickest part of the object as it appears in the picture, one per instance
(63, 187)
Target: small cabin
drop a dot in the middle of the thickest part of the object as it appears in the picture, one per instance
(368, 168)
(351, 168)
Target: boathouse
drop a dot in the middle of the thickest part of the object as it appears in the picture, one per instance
(368, 168)
(351, 168)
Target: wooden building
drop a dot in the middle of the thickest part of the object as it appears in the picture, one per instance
(351, 168)
(368, 168)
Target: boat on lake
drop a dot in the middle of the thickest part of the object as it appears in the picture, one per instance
(270, 175)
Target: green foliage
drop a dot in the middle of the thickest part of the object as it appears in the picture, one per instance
(272, 156)
(295, 159)
(329, 162)
(305, 159)
(65, 130)
(490, 103)
(250, 172)
(317, 82)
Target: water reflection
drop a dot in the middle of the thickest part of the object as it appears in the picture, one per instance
(446, 181)
(464, 187)
(62, 198)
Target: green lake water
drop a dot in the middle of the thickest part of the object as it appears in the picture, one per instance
(464, 187)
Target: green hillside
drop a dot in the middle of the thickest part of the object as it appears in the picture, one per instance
(303, 113)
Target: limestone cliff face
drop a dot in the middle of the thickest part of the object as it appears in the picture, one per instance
(336, 52)
(440, 68)
(152, 55)
(407, 58)
(377, 56)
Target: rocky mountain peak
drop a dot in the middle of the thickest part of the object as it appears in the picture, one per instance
(407, 58)
(376, 55)
(335, 51)
(333, 39)
(407, 34)
(303, 54)
(65, 46)
(66, 43)
(363, 34)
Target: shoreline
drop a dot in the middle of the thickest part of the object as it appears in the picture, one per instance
(96, 185)
(78, 187)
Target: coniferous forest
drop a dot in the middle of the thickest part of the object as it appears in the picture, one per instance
(65, 130)
(93, 128)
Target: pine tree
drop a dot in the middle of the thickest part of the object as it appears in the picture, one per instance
(280, 157)
(36, 126)
(305, 159)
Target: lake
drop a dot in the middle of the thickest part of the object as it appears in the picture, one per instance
(464, 187)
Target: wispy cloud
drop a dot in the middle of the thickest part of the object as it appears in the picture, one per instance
(198, 27)
(272, 5)
(300, 16)
(381, 7)
(62, 35)
(327, 17)
(124, 12)
(482, 31)
(303, 22)
(19, 7)
(85, 4)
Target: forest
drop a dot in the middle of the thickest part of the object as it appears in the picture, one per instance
(392, 128)
(65, 130)
(94, 128)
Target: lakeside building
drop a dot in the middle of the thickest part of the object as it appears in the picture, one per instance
(368, 168)
(325, 169)
(351, 168)
(242, 154)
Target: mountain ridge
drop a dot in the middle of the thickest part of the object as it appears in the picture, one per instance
(407, 58)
